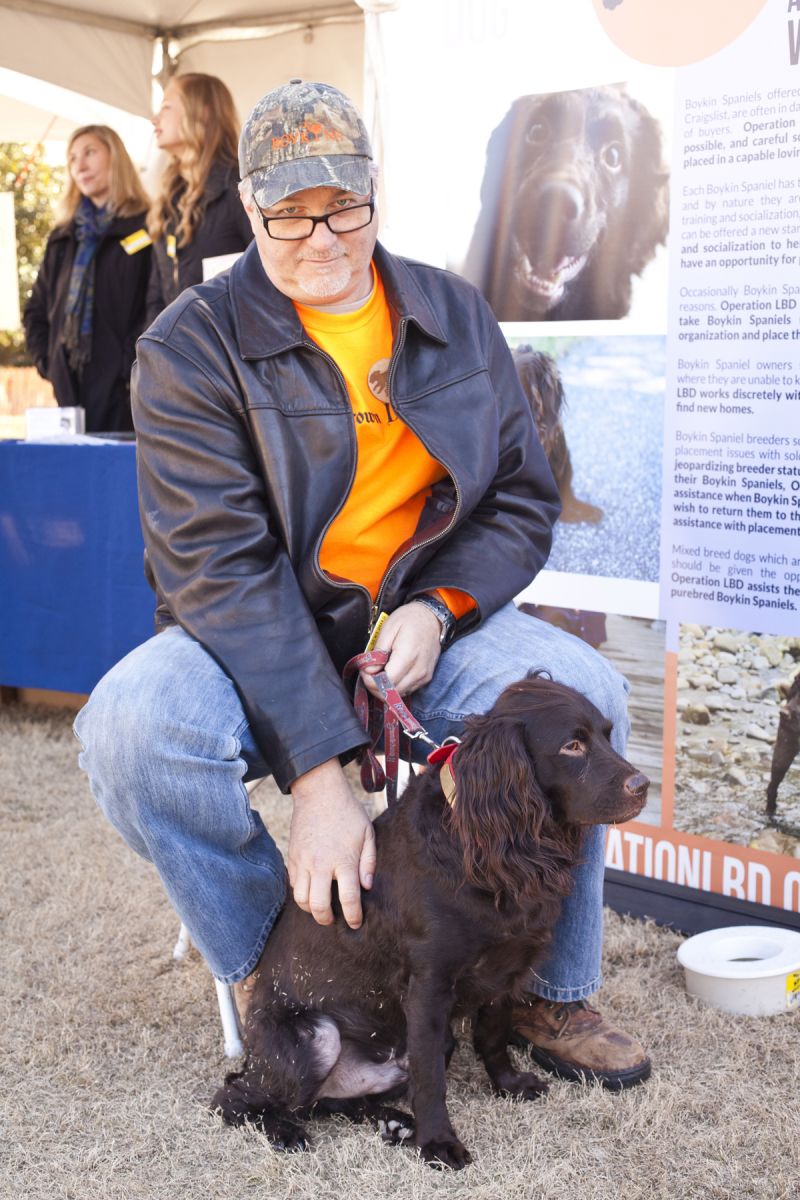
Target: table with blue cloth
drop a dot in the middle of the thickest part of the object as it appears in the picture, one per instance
(73, 598)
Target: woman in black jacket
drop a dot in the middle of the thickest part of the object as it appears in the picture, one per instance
(87, 307)
(197, 213)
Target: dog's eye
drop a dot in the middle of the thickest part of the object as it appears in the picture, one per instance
(612, 156)
(538, 134)
(574, 747)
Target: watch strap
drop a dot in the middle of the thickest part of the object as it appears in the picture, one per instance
(441, 612)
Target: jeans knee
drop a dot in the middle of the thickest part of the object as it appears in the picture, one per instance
(164, 761)
(612, 700)
(590, 673)
(112, 736)
(111, 729)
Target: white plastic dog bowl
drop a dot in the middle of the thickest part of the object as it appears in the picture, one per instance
(751, 969)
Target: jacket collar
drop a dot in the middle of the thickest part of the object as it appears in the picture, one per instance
(267, 323)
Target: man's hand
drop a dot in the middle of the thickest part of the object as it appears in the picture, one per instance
(410, 635)
(330, 838)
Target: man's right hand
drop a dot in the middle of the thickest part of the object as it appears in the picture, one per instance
(330, 838)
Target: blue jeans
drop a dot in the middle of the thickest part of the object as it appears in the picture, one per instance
(167, 749)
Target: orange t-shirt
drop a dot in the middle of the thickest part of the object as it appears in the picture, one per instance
(394, 472)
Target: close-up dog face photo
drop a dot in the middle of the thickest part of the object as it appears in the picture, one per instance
(574, 206)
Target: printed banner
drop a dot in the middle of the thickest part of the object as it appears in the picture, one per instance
(622, 181)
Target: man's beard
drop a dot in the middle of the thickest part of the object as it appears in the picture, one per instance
(330, 283)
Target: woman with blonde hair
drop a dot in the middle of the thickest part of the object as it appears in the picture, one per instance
(87, 307)
(197, 213)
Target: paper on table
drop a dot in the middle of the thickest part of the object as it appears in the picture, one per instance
(73, 439)
(217, 263)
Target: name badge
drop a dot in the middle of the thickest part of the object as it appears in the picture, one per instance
(137, 241)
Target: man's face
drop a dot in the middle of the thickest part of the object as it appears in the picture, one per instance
(326, 268)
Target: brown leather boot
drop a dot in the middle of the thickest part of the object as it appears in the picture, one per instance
(573, 1041)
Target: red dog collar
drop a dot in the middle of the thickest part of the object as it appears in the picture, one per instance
(442, 757)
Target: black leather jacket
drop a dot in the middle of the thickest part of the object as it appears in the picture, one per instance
(246, 452)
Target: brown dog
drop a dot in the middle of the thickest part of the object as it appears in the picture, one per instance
(541, 383)
(787, 743)
(466, 895)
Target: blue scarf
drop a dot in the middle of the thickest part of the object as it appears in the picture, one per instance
(91, 224)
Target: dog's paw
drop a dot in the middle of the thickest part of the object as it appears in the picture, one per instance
(578, 512)
(445, 1152)
(394, 1125)
(526, 1086)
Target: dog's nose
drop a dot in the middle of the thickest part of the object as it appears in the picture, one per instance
(637, 785)
(561, 202)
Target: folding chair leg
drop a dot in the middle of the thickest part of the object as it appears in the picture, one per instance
(230, 1025)
(227, 1009)
(182, 945)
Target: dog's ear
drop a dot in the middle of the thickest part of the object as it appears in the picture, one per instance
(648, 202)
(483, 264)
(541, 383)
(500, 816)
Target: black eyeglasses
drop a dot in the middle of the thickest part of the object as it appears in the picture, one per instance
(343, 220)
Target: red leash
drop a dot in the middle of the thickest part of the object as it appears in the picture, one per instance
(392, 716)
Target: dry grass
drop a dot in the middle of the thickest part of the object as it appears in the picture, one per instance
(110, 1050)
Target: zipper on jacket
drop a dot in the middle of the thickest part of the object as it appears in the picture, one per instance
(442, 533)
(326, 579)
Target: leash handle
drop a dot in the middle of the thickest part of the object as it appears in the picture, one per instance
(394, 716)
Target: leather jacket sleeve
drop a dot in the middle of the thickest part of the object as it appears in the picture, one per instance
(220, 568)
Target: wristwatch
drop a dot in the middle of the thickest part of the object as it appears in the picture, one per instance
(442, 614)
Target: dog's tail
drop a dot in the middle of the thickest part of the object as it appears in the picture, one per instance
(288, 1056)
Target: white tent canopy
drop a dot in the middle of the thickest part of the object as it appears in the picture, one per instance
(23, 122)
(94, 49)
(32, 110)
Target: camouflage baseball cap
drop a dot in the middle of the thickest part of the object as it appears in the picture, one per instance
(304, 135)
